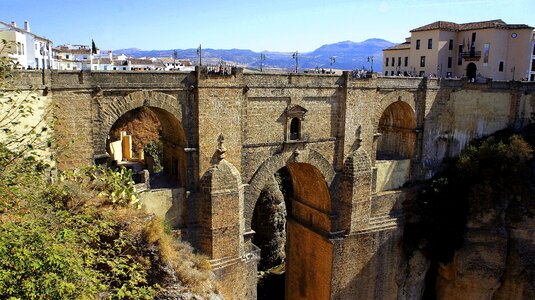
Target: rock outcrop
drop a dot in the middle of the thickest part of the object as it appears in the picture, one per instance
(269, 222)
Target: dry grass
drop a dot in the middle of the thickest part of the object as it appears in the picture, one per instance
(191, 268)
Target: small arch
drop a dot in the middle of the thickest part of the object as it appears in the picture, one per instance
(169, 112)
(396, 126)
(295, 129)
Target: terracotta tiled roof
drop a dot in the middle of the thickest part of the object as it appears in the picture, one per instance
(403, 46)
(139, 61)
(450, 26)
(442, 25)
(73, 51)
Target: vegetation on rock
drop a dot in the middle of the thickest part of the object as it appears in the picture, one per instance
(80, 234)
(494, 173)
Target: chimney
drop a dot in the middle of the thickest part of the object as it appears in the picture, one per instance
(111, 55)
(27, 26)
(13, 23)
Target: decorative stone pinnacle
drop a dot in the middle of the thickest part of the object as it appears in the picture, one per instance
(297, 155)
(220, 147)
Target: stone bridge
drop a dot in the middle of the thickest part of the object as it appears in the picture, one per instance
(349, 146)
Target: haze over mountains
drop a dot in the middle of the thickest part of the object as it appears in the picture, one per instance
(348, 55)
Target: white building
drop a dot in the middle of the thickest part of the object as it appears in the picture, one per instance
(27, 49)
(72, 57)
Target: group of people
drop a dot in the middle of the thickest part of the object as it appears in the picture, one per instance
(219, 70)
(358, 74)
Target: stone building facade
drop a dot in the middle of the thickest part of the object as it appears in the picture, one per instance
(348, 145)
(487, 49)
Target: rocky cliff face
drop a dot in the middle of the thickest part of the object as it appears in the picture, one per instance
(269, 222)
(470, 234)
(495, 262)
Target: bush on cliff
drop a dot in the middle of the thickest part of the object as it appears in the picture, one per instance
(490, 174)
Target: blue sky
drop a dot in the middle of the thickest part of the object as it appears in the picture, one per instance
(277, 25)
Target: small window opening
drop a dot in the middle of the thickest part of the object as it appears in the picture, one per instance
(295, 129)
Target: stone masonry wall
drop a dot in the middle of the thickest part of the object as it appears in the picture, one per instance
(341, 116)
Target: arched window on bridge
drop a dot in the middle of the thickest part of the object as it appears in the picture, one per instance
(295, 116)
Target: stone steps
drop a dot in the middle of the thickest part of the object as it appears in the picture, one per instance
(383, 222)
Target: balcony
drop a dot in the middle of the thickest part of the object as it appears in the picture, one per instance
(471, 55)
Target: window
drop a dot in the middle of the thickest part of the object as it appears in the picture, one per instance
(450, 62)
(473, 38)
(391, 73)
(450, 45)
(532, 77)
(500, 67)
(386, 62)
(422, 73)
(386, 73)
(417, 44)
(430, 44)
(295, 129)
(422, 61)
(399, 61)
(406, 61)
(67, 56)
(460, 55)
(533, 65)
(486, 49)
(533, 49)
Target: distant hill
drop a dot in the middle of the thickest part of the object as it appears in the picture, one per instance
(348, 55)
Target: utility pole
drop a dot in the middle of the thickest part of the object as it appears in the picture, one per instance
(333, 60)
(175, 55)
(296, 59)
(262, 59)
(199, 53)
(370, 59)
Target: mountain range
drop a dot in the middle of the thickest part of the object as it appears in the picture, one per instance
(348, 56)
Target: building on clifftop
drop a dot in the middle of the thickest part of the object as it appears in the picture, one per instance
(478, 50)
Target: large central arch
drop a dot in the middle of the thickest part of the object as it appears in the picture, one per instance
(309, 252)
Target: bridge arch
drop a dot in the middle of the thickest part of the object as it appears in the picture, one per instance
(170, 114)
(395, 146)
(308, 222)
(396, 122)
(275, 163)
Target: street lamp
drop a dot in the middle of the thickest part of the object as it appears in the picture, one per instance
(294, 56)
(370, 59)
(199, 53)
(262, 59)
(333, 60)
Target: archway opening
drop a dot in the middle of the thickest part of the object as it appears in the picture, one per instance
(292, 208)
(471, 70)
(395, 146)
(150, 138)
